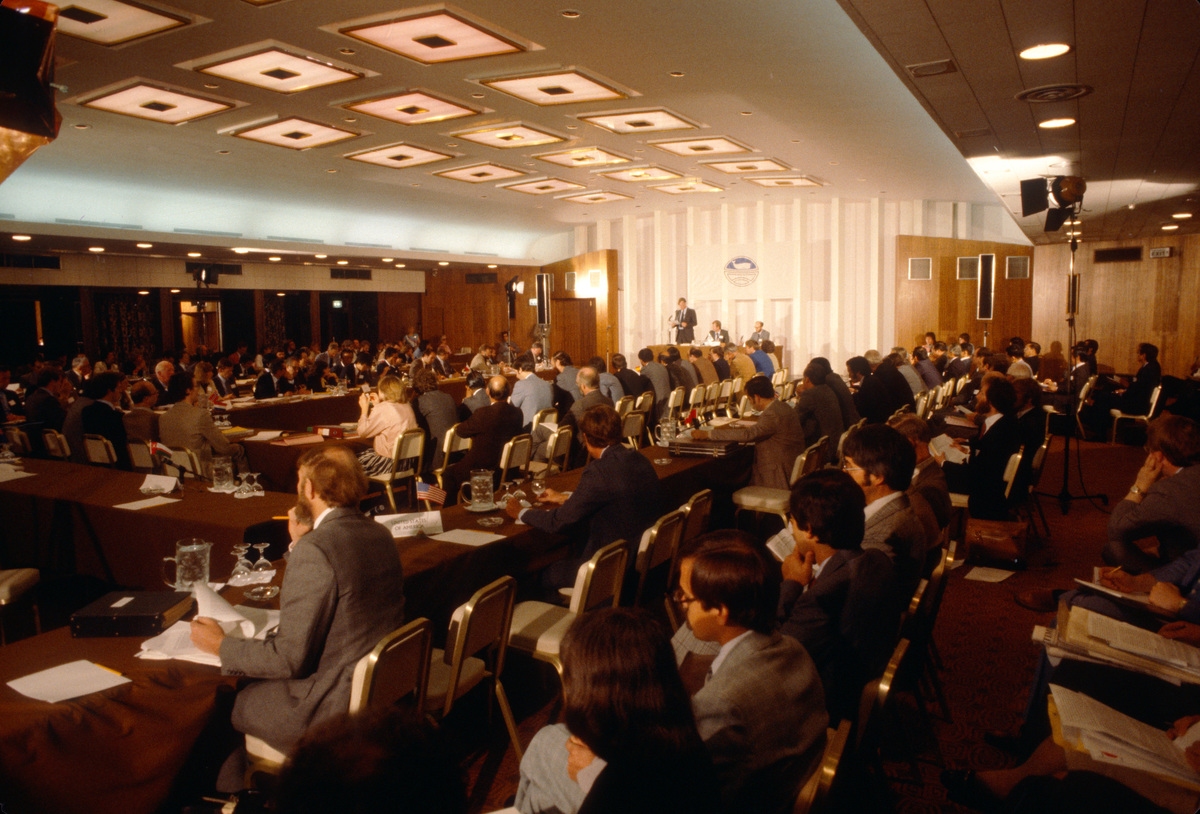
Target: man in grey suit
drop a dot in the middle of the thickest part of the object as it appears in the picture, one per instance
(188, 426)
(530, 392)
(777, 436)
(342, 593)
(761, 709)
(881, 462)
(656, 372)
(928, 481)
(760, 335)
(818, 409)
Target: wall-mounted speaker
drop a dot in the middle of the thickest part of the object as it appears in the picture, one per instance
(545, 286)
(987, 286)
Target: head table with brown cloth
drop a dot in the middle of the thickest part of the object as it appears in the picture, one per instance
(136, 748)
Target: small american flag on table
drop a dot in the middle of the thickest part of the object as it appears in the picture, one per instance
(430, 493)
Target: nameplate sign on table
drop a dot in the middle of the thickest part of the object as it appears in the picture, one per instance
(412, 524)
(69, 680)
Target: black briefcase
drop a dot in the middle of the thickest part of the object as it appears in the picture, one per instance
(130, 613)
(702, 449)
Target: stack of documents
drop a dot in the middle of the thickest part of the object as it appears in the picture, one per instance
(241, 622)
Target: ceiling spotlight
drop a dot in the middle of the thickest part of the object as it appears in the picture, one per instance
(143, 292)
(1182, 215)
(96, 249)
(174, 290)
(22, 238)
(443, 263)
(1051, 124)
(1054, 49)
(280, 294)
(145, 245)
(193, 254)
(320, 256)
(491, 265)
(1060, 197)
(275, 260)
(343, 262)
(1170, 227)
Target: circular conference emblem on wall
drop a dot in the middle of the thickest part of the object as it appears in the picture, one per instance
(741, 271)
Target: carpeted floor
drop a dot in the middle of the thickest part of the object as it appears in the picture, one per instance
(983, 637)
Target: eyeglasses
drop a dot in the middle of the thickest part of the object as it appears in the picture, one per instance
(681, 599)
(846, 468)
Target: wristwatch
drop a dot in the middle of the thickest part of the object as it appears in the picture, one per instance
(1136, 490)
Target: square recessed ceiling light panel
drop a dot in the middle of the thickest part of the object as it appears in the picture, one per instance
(544, 186)
(560, 88)
(752, 165)
(701, 146)
(433, 37)
(639, 175)
(584, 157)
(109, 22)
(687, 187)
(146, 101)
(641, 121)
(596, 197)
(413, 107)
(399, 156)
(792, 181)
(479, 173)
(296, 134)
(505, 138)
(278, 70)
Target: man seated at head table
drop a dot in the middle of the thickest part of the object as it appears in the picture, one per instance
(342, 592)
(618, 497)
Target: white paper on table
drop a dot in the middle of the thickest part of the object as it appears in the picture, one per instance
(69, 680)
(410, 524)
(981, 574)
(265, 435)
(160, 483)
(241, 622)
(468, 537)
(943, 445)
(9, 472)
(147, 503)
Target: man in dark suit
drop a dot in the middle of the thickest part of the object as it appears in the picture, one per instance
(1135, 399)
(163, 371)
(818, 408)
(838, 601)
(718, 335)
(1066, 391)
(617, 498)
(717, 356)
(224, 381)
(959, 364)
(684, 319)
(900, 392)
(81, 370)
(268, 384)
(103, 416)
(342, 593)
(871, 399)
(476, 395)
(44, 406)
(928, 481)
(926, 368)
(632, 382)
(982, 476)
(442, 368)
(490, 428)
(881, 461)
(761, 710)
(777, 436)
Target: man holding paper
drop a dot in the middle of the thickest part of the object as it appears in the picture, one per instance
(342, 593)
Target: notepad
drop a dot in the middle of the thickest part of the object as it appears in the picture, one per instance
(149, 502)
(468, 537)
(69, 680)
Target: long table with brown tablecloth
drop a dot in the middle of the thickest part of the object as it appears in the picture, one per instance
(125, 750)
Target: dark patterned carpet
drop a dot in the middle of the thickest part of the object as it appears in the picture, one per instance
(983, 637)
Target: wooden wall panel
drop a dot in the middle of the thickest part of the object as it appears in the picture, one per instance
(946, 305)
(471, 314)
(608, 329)
(1122, 304)
(398, 311)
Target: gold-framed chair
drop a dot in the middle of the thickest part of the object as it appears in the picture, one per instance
(452, 443)
(768, 500)
(558, 453)
(633, 427)
(814, 794)
(407, 452)
(517, 453)
(659, 544)
(476, 645)
(56, 445)
(99, 449)
(1118, 416)
(141, 457)
(624, 406)
(15, 583)
(18, 440)
(541, 416)
(674, 403)
(644, 402)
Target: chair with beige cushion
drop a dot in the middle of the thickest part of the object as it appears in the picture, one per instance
(17, 440)
(99, 450)
(515, 458)
(1118, 416)
(407, 452)
(14, 584)
(141, 457)
(659, 545)
(56, 445)
(558, 454)
(451, 444)
(767, 500)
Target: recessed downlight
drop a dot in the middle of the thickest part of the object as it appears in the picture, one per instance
(491, 265)
(174, 290)
(399, 265)
(1051, 124)
(343, 262)
(193, 254)
(145, 245)
(143, 292)
(443, 263)
(280, 294)
(386, 259)
(1045, 51)
(22, 238)
(275, 260)
(96, 249)
(1182, 215)
(1170, 227)
(320, 256)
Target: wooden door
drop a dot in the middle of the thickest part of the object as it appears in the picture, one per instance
(573, 328)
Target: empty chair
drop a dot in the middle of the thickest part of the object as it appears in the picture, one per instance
(624, 406)
(735, 392)
(724, 394)
(1118, 416)
(99, 449)
(659, 544)
(187, 463)
(779, 377)
(18, 440)
(674, 403)
(516, 456)
(56, 445)
(712, 395)
(765, 499)
(1082, 398)
(14, 584)
(558, 452)
(141, 457)
(696, 399)
(633, 426)
(787, 391)
(538, 627)
(452, 443)
(475, 650)
(407, 451)
(397, 668)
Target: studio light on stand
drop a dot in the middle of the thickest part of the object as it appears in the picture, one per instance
(511, 289)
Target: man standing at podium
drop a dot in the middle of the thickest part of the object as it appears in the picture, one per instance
(684, 320)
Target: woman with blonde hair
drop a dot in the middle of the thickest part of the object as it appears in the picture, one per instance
(385, 414)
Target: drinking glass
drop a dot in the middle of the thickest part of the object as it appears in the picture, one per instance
(241, 570)
(262, 563)
(537, 486)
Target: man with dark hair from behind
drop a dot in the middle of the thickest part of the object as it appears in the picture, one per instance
(632, 382)
(761, 710)
(103, 416)
(837, 600)
(659, 378)
(490, 428)
(777, 436)
(374, 761)
(818, 408)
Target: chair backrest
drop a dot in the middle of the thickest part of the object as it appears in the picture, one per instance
(397, 667)
(624, 405)
(599, 580)
(921, 400)
(674, 402)
(409, 446)
(1010, 471)
(712, 395)
(187, 460)
(482, 622)
(56, 444)
(696, 398)
(632, 427)
(548, 414)
(814, 456)
(559, 449)
(516, 455)
(744, 408)
(659, 544)
(1039, 461)
(18, 440)
(815, 791)
(874, 697)
(644, 402)
(99, 449)
(140, 455)
(698, 510)
(453, 442)
(789, 388)
(1084, 391)
(798, 467)
(1154, 396)
(725, 390)
(779, 376)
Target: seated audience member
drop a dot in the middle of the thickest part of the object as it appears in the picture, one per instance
(188, 426)
(484, 360)
(383, 416)
(224, 381)
(342, 592)
(103, 416)
(1162, 503)
(436, 412)
(871, 399)
(818, 409)
(628, 741)
(320, 378)
(141, 423)
(610, 385)
(163, 371)
(81, 370)
(718, 335)
(343, 367)
(762, 362)
(507, 350)
(389, 365)
(530, 393)
(202, 373)
(985, 362)
(656, 373)
(293, 380)
(940, 358)
(1031, 423)
(675, 372)
(690, 370)
(1135, 399)
(587, 381)
(837, 384)
(704, 368)
(8, 399)
(1018, 368)
(476, 395)
(1068, 389)
(72, 427)
(837, 600)
(958, 363)
(617, 498)
(761, 709)
(926, 369)
(363, 370)
(777, 436)
(899, 359)
(717, 357)
(1033, 356)
(899, 390)
(740, 365)
(442, 366)
(489, 429)
(270, 382)
(881, 462)
(568, 390)
(632, 382)
(538, 352)
(982, 476)
(928, 481)
(768, 347)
